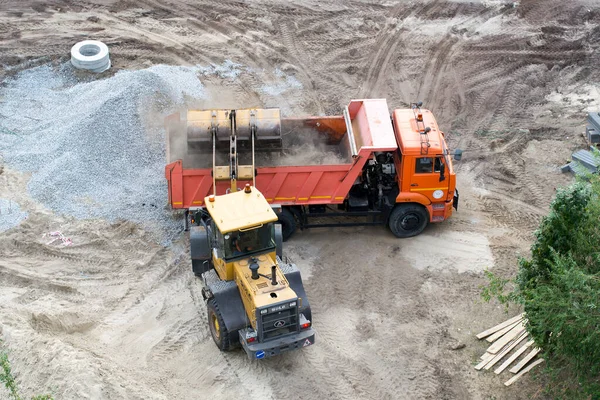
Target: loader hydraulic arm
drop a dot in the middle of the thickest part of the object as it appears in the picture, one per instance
(246, 128)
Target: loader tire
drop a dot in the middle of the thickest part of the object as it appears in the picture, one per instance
(408, 220)
(216, 325)
(288, 223)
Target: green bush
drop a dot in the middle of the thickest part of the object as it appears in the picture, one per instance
(559, 288)
(556, 234)
(8, 379)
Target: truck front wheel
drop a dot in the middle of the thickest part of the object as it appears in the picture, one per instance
(288, 223)
(217, 328)
(408, 220)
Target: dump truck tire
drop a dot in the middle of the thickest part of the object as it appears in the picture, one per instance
(408, 220)
(288, 223)
(217, 328)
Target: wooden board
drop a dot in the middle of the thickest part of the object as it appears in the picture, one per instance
(501, 332)
(513, 357)
(520, 374)
(524, 361)
(500, 326)
(506, 350)
(485, 358)
(510, 335)
(482, 364)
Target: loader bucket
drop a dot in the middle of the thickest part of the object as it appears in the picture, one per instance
(267, 128)
(200, 126)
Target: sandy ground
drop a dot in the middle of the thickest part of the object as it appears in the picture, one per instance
(117, 315)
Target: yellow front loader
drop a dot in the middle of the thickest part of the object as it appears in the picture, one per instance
(254, 298)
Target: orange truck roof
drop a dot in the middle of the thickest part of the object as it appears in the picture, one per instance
(408, 135)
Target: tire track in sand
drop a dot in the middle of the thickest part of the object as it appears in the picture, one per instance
(433, 71)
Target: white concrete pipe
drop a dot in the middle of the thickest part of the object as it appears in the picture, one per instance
(91, 55)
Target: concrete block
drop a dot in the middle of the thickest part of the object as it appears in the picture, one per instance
(565, 168)
(593, 135)
(594, 120)
(584, 159)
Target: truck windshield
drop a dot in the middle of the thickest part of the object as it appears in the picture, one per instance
(254, 241)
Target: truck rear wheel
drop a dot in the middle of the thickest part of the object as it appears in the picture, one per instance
(217, 328)
(408, 220)
(288, 223)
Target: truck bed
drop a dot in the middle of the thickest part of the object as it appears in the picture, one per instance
(323, 175)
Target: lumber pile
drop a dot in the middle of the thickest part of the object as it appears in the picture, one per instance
(509, 337)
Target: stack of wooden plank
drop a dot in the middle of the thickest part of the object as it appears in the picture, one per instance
(506, 337)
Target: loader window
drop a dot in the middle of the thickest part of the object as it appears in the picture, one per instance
(218, 239)
(254, 241)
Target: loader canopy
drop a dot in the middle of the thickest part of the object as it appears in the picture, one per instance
(240, 211)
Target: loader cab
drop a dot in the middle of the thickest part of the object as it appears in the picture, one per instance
(242, 226)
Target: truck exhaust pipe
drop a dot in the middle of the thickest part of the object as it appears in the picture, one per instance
(274, 275)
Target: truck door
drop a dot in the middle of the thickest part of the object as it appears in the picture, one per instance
(427, 178)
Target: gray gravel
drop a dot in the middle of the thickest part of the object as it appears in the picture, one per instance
(86, 143)
(11, 214)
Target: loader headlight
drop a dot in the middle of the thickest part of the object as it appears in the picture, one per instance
(263, 311)
(293, 304)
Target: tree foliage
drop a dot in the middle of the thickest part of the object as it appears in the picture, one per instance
(559, 288)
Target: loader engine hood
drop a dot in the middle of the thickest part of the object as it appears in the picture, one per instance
(259, 293)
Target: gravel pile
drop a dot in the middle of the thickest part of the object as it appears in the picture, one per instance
(10, 214)
(88, 145)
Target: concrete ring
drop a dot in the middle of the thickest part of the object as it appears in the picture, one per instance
(91, 55)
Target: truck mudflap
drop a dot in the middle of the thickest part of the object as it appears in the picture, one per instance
(277, 346)
(455, 200)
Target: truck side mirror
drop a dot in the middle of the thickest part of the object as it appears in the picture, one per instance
(442, 172)
(457, 154)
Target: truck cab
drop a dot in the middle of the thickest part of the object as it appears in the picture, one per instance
(426, 175)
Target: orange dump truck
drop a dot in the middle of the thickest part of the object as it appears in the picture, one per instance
(398, 170)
